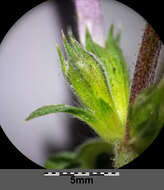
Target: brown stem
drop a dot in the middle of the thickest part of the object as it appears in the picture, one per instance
(146, 62)
(127, 135)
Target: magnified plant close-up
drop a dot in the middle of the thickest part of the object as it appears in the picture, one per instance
(87, 77)
(98, 76)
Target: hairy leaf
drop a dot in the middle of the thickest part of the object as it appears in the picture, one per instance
(75, 111)
(62, 160)
(89, 155)
(108, 130)
(147, 116)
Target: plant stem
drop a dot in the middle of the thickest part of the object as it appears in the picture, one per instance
(147, 61)
(124, 153)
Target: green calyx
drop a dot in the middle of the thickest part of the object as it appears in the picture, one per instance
(98, 76)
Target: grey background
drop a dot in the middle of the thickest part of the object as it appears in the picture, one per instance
(128, 179)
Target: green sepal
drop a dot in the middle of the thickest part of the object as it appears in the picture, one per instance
(114, 64)
(79, 113)
(83, 69)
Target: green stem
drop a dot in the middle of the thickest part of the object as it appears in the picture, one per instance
(124, 154)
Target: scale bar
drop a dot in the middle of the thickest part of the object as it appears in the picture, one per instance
(57, 174)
